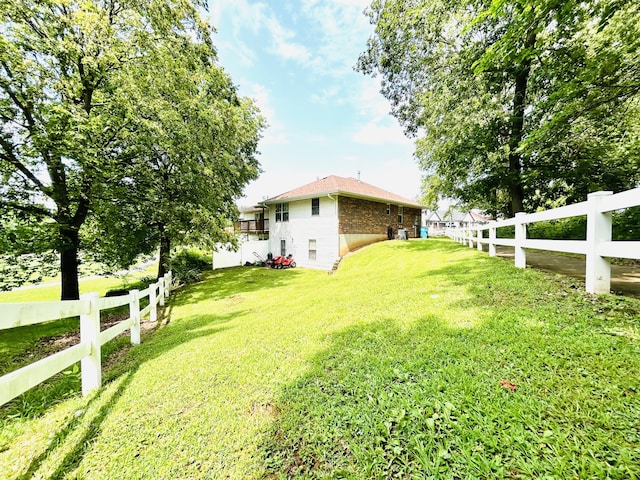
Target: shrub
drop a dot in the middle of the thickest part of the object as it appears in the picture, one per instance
(626, 224)
(574, 228)
(188, 264)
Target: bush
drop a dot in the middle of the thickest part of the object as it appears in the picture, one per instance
(626, 224)
(187, 265)
(574, 228)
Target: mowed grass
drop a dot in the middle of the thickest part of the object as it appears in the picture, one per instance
(25, 345)
(15, 342)
(419, 359)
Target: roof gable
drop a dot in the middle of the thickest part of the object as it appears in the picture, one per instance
(349, 187)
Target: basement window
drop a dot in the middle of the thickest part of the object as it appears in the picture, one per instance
(312, 250)
(400, 214)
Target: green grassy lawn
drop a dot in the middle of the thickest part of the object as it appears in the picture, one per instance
(22, 346)
(420, 359)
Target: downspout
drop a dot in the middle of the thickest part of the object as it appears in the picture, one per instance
(335, 202)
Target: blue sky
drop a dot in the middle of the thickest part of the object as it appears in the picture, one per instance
(296, 58)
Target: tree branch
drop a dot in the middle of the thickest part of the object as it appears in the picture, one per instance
(33, 209)
(26, 110)
(10, 157)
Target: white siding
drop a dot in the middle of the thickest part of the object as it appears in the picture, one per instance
(302, 227)
(225, 257)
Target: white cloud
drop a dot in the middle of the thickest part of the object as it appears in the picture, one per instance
(381, 128)
(368, 100)
(275, 133)
(396, 175)
(342, 34)
(325, 95)
(283, 46)
(377, 132)
(242, 13)
(254, 17)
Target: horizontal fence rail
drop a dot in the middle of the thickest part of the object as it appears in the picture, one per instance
(88, 351)
(598, 246)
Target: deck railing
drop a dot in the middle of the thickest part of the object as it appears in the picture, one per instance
(252, 226)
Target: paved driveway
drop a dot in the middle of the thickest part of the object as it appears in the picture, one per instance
(625, 279)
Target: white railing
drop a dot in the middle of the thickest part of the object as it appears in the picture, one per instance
(598, 247)
(88, 351)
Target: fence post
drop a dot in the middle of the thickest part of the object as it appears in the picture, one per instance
(521, 236)
(153, 301)
(479, 241)
(167, 290)
(161, 288)
(134, 314)
(91, 365)
(598, 269)
(492, 241)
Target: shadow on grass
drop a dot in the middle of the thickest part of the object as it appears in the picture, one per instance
(534, 389)
(37, 402)
(15, 342)
(238, 280)
(72, 458)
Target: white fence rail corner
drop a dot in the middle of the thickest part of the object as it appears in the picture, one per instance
(598, 246)
(88, 351)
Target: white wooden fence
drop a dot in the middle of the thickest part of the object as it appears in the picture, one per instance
(88, 351)
(597, 247)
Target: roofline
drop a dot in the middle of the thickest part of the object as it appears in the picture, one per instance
(408, 203)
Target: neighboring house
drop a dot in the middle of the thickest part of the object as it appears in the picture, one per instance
(438, 221)
(252, 223)
(321, 222)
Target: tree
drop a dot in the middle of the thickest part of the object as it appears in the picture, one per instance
(196, 146)
(495, 87)
(70, 135)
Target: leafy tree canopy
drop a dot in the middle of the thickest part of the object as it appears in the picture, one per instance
(76, 132)
(196, 144)
(517, 104)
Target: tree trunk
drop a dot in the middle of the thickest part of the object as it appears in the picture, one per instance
(69, 264)
(517, 129)
(165, 251)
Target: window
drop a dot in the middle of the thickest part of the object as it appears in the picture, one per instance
(400, 214)
(282, 212)
(315, 206)
(312, 249)
(388, 209)
(283, 248)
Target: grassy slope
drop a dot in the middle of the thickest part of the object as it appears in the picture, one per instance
(391, 366)
(15, 341)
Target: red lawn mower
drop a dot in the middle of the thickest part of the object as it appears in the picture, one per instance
(284, 262)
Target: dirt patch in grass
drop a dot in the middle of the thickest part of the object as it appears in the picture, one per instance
(47, 346)
(268, 410)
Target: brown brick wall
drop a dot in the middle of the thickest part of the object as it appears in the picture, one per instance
(359, 216)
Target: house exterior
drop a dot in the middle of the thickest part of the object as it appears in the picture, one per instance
(438, 221)
(252, 223)
(322, 221)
